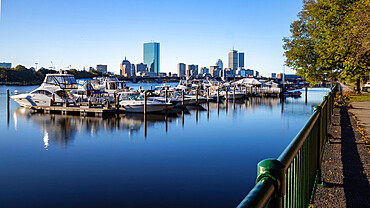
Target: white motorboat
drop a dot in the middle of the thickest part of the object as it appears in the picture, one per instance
(111, 85)
(55, 86)
(134, 102)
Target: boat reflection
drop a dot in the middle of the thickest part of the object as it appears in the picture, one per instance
(60, 130)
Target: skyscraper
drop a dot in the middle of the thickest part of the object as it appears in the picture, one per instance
(151, 56)
(125, 68)
(233, 60)
(219, 64)
(241, 59)
(181, 69)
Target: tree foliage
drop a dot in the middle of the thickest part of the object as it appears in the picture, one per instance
(330, 40)
(23, 75)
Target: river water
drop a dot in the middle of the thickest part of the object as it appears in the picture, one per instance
(190, 158)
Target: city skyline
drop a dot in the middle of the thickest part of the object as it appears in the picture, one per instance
(58, 35)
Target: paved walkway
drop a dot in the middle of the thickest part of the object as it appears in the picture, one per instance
(346, 160)
(362, 112)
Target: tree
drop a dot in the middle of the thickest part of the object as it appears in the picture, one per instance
(329, 40)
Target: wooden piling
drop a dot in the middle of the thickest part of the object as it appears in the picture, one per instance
(196, 96)
(165, 96)
(234, 94)
(218, 95)
(183, 97)
(7, 100)
(227, 95)
(145, 99)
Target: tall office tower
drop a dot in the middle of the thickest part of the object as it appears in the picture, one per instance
(125, 68)
(181, 69)
(151, 56)
(241, 59)
(219, 64)
(233, 60)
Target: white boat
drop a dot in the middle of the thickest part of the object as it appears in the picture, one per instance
(111, 85)
(57, 86)
(133, 102)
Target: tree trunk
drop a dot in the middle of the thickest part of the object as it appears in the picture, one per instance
(358, 87)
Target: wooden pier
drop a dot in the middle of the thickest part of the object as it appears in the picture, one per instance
(76, 110)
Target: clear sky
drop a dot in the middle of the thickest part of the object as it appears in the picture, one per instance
(83, 33)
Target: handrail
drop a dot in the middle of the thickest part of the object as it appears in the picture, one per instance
(288, 155)
(291, 179)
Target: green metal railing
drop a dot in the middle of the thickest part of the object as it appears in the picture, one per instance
(291, 179)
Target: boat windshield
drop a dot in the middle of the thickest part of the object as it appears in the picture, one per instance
(133, 97)
(65, 82)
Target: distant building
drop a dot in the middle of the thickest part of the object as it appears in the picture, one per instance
(256, 73)
(233, 60)
(151, 57)
(5, 65)
(192, 70)
(204, 70)
(102, 68)
(219, 64)
(241, 72)
(90, 68)
(141, 68)
(288, 76)
(125, 68)
(273, 75)
(229, 72)
(241, 59)
(249, 72)
(215, 71)
(162, 74)
(181, 69)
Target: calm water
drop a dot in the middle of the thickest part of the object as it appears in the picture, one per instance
(190, 158)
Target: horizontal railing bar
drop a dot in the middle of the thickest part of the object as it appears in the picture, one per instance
(287, 156)
(260, 195)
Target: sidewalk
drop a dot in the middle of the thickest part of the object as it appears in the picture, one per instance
(346, 160)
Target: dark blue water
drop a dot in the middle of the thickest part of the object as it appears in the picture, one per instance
(189, 158)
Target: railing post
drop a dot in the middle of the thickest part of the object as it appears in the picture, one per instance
(274, 169)
(320, 142)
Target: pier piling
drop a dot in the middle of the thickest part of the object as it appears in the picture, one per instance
(218, 95)
(234, 94)
(182, 97)
(7, 99)
(227, 95)
(145, 99)
(196, 96)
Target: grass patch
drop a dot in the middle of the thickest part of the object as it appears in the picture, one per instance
(353, 97)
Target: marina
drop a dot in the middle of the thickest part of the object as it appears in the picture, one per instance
(62, 94)
(182, 158)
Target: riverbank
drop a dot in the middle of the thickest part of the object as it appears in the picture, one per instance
(19, 83)
(346, 159)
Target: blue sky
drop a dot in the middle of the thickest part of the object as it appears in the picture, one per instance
(84, 33)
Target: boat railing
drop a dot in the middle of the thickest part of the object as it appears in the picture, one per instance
(291, 179)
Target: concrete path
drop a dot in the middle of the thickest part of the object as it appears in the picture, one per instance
(346, 161)
(362, 112)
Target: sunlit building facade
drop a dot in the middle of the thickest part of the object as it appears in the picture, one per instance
(151, 57)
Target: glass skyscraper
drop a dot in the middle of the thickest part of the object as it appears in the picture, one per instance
(151, 56)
